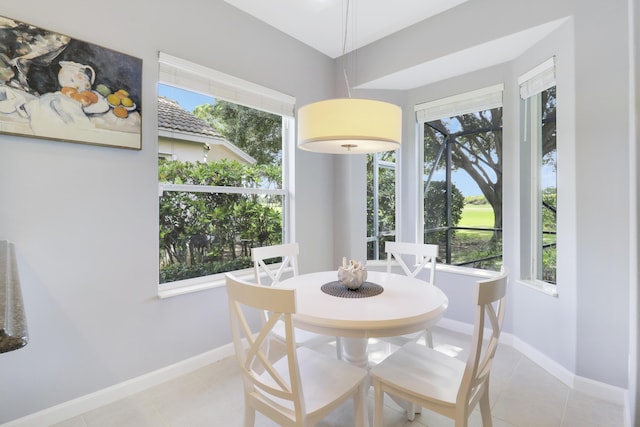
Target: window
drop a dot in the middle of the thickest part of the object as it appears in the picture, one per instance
(461, 154)
(222, 151)
(539, 173)
(381, 202)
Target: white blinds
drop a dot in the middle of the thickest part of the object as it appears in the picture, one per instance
(469, 102)
(187, 75)
(539, 79)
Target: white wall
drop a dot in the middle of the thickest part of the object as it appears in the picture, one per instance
(634, 159)
(585, 329)
(603, 221)
(559, 313)
(83, 218)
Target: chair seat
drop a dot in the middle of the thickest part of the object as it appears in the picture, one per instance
(417, 371)
(325, 379)
(422, 376)
(306, 338)
(303, 386)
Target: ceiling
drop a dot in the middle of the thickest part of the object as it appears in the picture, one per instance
(321, 24)
(478, 57)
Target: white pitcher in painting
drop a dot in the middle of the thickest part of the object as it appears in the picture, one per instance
(77, 76)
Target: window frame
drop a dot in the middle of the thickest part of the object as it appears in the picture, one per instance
(532, 84)
(378, 165)
(193, 77)
(460, 104)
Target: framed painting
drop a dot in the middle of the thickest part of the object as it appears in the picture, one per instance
(56, 87)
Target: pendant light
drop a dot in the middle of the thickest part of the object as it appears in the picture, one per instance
(349, 125)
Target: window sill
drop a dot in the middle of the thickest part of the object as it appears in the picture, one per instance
(182, 287)
(465, 271)
(376, 264)
(442, 268)
(540, 286)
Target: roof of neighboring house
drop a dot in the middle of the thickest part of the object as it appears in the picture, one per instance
(172, 116)
(182, 124)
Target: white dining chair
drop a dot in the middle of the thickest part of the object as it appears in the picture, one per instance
(287, 252)
(420, 256)
(273, 273)
(303, 386)
(427, 378)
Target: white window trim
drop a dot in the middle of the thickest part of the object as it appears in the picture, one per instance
(190, 76)
(182, 287)
(187, 286)
(532, 83)
(187, 75)
(540, 286)
(538, 79)
(477, 273)
(464, 103)
(217, 189)
(532, 135)
(385, 164)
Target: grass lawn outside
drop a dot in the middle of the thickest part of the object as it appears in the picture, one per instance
(476, 216)
(475, 248)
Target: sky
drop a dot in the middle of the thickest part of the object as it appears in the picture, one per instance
(462, 181)
(187, 99)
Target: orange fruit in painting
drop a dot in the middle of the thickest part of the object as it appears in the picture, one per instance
(86, 98)
(121, 112)
(81, 98)
(68, 91)
(92, 97)
(121, 93)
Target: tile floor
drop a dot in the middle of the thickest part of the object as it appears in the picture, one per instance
(522, 395)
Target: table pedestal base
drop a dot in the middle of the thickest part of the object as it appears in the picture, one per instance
(354, 351)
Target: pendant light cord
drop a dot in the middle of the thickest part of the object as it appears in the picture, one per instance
(346, 28)
(344, 50)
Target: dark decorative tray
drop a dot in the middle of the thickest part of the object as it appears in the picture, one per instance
(337, 289)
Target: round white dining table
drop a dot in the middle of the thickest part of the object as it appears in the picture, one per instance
(405, 305)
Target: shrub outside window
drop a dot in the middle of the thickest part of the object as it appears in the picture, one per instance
(222, 182)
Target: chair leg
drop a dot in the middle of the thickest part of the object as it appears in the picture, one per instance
(461, 416)
(378, 404)
(485, 409)
(249, 415)
(411, 411)
(428, 337)
(360, 408)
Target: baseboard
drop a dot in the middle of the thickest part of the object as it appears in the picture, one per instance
(116, 392)
(75, 407)
(587, 386)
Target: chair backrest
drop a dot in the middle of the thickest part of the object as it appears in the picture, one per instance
(490, 305)
(289, 253)
(425, 255)
(264, 385)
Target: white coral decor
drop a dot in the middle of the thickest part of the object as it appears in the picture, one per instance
(352, 275)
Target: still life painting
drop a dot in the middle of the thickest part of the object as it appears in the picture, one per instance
(56, 87)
